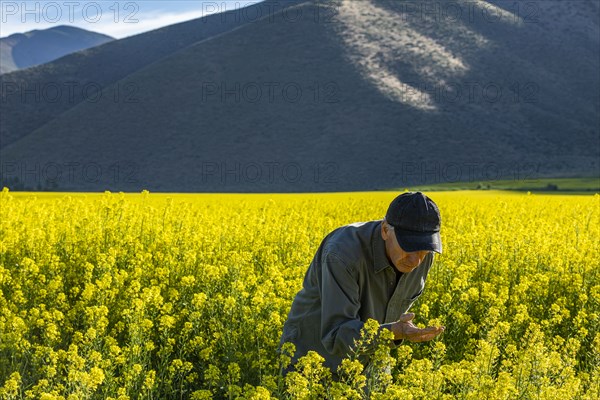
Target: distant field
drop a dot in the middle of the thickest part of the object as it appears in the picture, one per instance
(546, 185)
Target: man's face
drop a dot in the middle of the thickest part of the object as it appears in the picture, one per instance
(404, 261)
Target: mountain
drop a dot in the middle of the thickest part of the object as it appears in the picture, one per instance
(31, 98)
(335, 96)
(23, 50)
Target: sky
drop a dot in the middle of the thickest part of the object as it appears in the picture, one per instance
(118, 19)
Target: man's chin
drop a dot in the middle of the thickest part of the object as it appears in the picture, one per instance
(405, 269)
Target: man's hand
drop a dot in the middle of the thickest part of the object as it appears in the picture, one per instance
(405, 329)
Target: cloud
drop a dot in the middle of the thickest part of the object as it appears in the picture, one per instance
(147, 22)
(19, 18)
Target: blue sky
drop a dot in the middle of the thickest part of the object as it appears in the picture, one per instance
(118, 19)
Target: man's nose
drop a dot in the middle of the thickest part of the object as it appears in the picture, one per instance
(414, 259)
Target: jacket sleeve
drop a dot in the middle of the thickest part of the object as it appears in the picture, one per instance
(340, 299)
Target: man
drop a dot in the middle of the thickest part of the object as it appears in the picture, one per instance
(374, 269)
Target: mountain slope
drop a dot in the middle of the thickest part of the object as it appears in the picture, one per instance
(32, 97)
(23, 50)
(366, 99)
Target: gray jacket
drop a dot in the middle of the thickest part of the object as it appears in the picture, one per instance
(349, 280)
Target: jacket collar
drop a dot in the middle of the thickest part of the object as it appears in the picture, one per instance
(380, 259)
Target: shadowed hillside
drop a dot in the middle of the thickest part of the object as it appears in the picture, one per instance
(348, 95)
(32, 97)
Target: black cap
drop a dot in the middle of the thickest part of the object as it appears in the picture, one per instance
(416, 221)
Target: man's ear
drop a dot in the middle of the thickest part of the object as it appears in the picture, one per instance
(384, 230)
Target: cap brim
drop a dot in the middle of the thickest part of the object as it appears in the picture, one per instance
(416, 241)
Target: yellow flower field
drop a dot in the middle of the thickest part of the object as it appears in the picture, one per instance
(174, 296)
